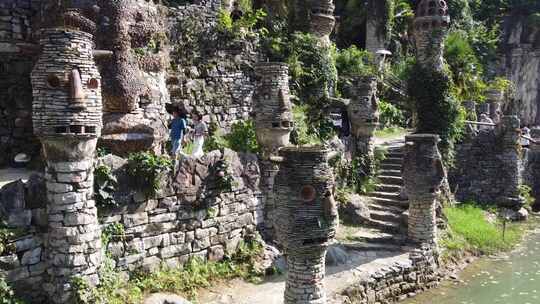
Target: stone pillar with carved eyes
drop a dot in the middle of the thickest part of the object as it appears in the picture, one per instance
(322, 20)
(363, 111)
(273, 125)
(306, 220)
(431, 24)
(67, 114)
(423, 175)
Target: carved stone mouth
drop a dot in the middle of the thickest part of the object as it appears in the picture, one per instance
(76, 130)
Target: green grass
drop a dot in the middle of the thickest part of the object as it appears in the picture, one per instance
(392, 132)
(469, 230)
(196, 274)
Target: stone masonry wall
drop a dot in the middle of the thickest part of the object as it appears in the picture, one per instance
(397, 282)
(210, 72)
(15, 89)
(190, 216)
(488, 167)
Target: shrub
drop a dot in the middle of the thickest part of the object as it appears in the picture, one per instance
(7, 295)
(390, 115)
(242, 138)
(105, 184)
(438, 112)
(145, 168)
(302, 133)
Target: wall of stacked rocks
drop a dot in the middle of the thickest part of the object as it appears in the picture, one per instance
(15, 90)
(211, 72)
(398, 281)
(488, 166)
(191, 215)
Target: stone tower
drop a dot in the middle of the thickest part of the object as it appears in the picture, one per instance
(423, 175)
(431, 25)
(363, 112)
(306, 220)
(273, 126)
(67, 113)
(322, 20)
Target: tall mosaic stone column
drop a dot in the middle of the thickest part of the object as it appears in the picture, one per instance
(322, 20)
(306, 220)
(363, 112)
(273, 126)
(431, 24)
(509, 133)
(423, 175)
(67, 113)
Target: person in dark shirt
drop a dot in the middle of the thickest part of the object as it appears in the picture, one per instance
(236, 13)
(178, 128)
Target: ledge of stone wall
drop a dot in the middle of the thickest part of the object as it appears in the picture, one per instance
(189, 217)
(398, 281)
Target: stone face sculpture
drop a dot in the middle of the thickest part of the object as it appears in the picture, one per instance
(423, 175)
(306, 220)
(431, 26)
(67, 113)
(273, 116)
(134, 90)
(363, 112)
(322, 20)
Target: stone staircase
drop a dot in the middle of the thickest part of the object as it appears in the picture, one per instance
(386, 207)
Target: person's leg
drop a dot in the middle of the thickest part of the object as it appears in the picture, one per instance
(175, 146)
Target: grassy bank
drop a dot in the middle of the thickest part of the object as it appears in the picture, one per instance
(195, 275)
(469, 230)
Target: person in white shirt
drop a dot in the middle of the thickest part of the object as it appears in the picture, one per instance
(200, 131)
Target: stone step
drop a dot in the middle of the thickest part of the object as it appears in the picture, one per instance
(387, 188)
(390, 202)
(378, 237)
(393, 160)
(395, 154)
(390, 180)
(390, 172)
(382, 194)
(384, 166)
(385, 216)
(393, 227)
(368, 246)
(395, 209)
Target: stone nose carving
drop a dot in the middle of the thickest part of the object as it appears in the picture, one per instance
(77, 95)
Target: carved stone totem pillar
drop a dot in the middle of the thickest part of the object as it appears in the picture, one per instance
(509, 132)
(431, 25)
(273, 126)
(322, 20)
(363, 114)
(67, 113)
(423, 175)
(306, 220)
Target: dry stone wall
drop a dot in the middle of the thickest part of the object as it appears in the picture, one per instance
(211, 73)
(190, 216)
(488, 166)
(15, 89)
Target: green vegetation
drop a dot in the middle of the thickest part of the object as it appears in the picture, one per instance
(469, 230)
(438, 111)
(224, 178)
(302, 134)
(525, 192)
(390, 116)
(352, 62)
(242, 138)
(144, 168)
(113, 231)
(244, 27)
(196, 274)
(7, 235)
(7, 296)
(105, 184)
(391, 132)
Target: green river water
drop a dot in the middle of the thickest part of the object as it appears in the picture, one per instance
(514, 279)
